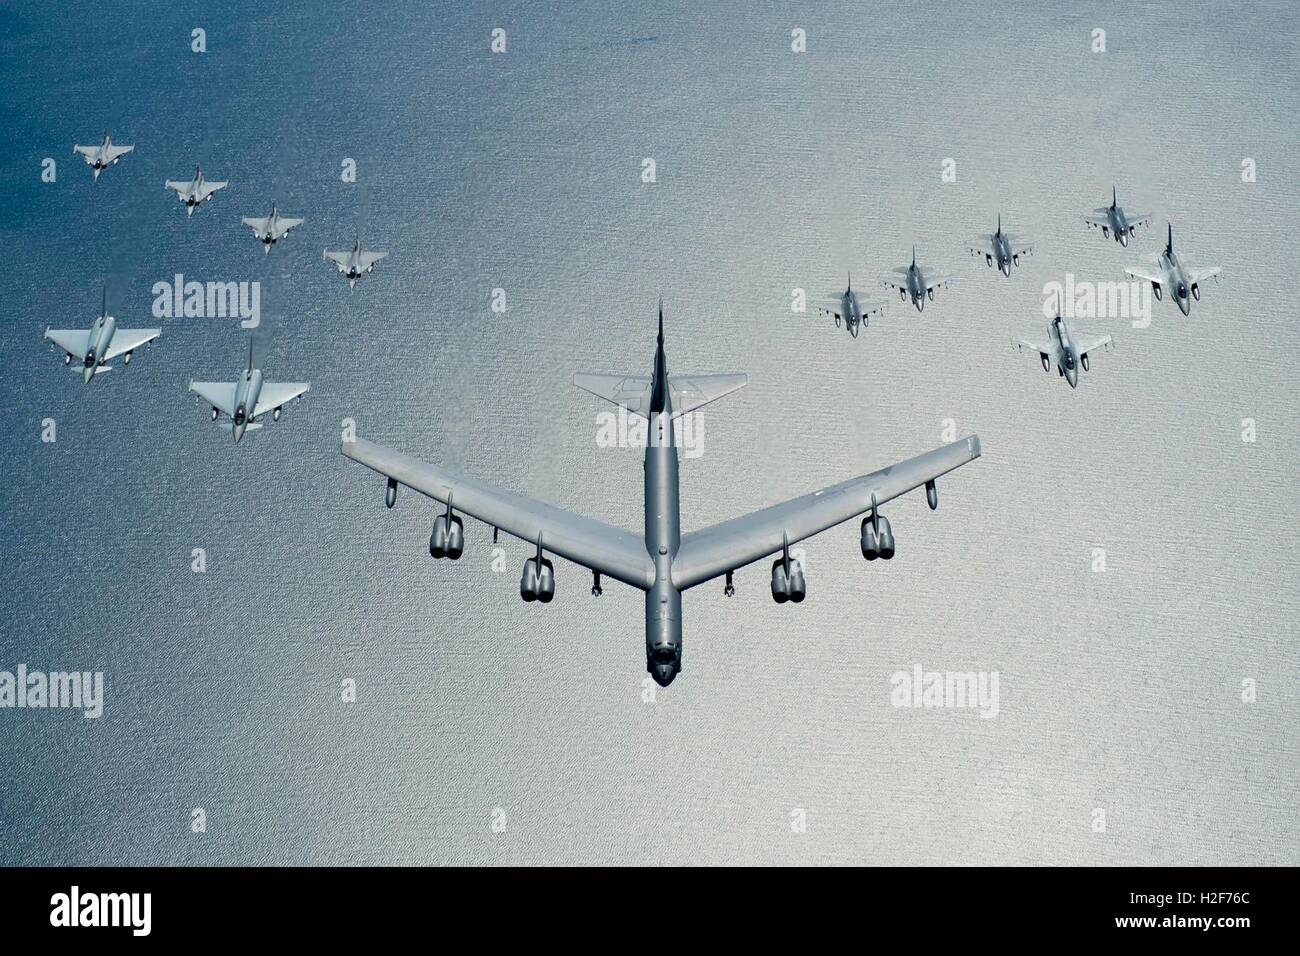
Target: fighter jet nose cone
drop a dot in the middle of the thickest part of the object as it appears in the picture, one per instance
(663, 674)
(88, 374)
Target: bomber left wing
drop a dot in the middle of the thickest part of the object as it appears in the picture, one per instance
(593, 544)
(714, 551)
(128, 340)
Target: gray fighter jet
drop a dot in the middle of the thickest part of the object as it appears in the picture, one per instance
(916, 282)
(100, 157)
(1112, 220)
(246, 401)
(1170, 272)
(1065, 348)
(197, 190)
(355, 263)
(102, 343)
(1001, 249)
(661, 561)
(850, 308)
(271, 229)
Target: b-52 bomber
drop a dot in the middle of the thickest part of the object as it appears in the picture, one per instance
(850, 308)
(103, 342)
(661, 561)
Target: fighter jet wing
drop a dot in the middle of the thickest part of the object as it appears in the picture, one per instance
(207, 189)
(1021, 247)
(284, 225)
(368, 259)
(1044, 348)
(1200, 275)
(1099, 217)
(73, 341)
(593, 544)
(832, 307)
(340, 259)
(1085, 342)
(88, 152)
(1146, 273)
(1138, 218)
(128, 340)
(115, 152)
(896, 279)
(275, 394)
(220, 395)
(178, 187)
(258, 225)
(936, 281)
(706, 554)
(981, 246)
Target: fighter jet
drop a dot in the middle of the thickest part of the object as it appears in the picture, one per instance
(1065, 348)
(249, 399)
(849, 307)
(1003, 249)
(661, 561)
(102, 343)
(1113, 220)
(356, 263)
(197, 190)
(271, 229)
(1170, 271)
(916, 282)
(100, 157)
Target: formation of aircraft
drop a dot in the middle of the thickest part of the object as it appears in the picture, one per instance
(850, 309)
(661, 561)
(916, 282)
(1065, 348)
(1170, 272)
(101, 343)
(100, 157)
(1114, 222)
(271, 229)
(354, 262)
(197, 190)
(1000, 249)
(248, 399)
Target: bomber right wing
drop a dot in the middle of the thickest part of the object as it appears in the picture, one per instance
(593, 544)
(714, 551)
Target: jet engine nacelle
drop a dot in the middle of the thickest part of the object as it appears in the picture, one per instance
(788, 587)
(1083, 360)
(1156, 291)
(448, 537)
(877, 544)
(538, 581)
(1196, 294)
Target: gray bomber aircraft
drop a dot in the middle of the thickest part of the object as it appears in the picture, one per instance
(100, 157)
(354, 263)
(850, 308)
(197, 190)
(1065, 348)
(271, 229)
(104, 341)
(1001, 249)
(662, 561)
(1170, 272)
(248, 399)
(1114, 221)
(916, 282)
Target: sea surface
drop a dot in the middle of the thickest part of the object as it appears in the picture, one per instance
(1161, 691)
